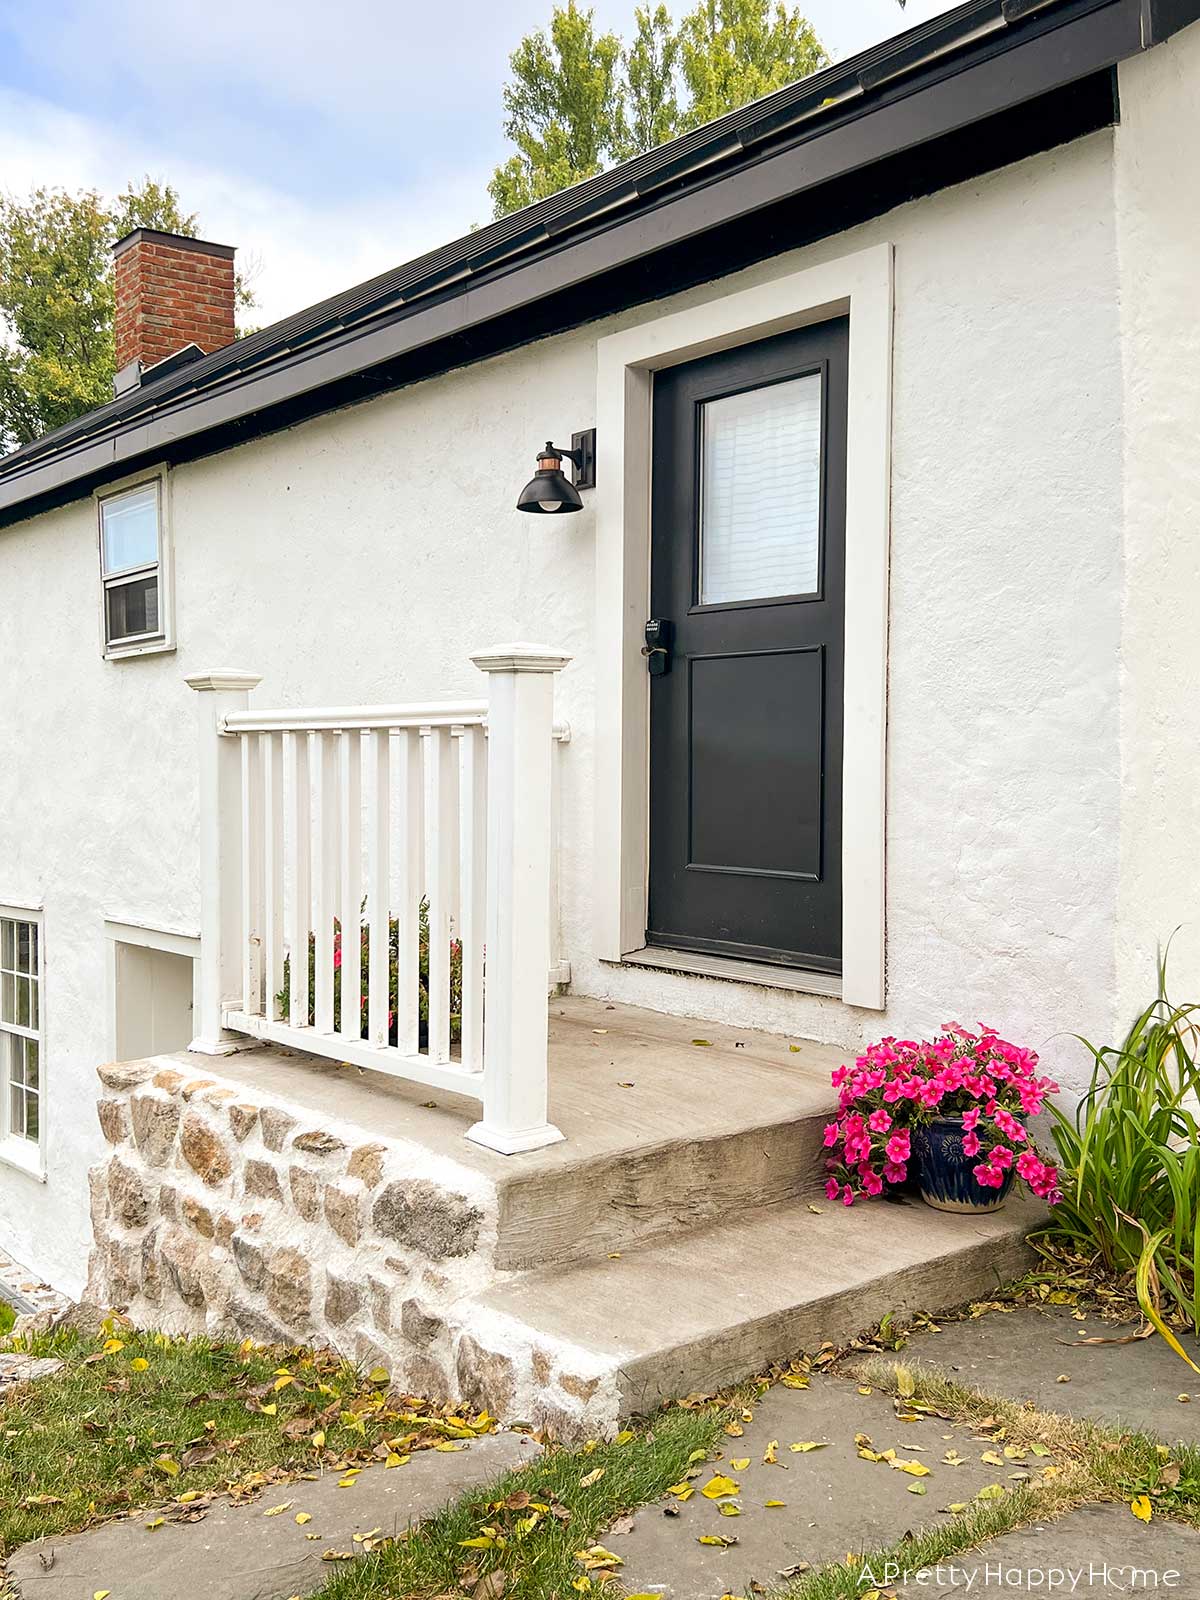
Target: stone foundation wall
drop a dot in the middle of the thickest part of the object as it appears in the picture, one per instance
(221, 1212)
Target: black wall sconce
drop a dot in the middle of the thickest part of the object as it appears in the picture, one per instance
(548, 493)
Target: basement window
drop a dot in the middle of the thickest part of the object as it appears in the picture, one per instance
(134, 570)
(21, 1083)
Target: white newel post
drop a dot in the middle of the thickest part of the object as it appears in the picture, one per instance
(220, 976)
(520, 723)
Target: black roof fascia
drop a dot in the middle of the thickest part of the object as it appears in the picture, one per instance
(261, 382)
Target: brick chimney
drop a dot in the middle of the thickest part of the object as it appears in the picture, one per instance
(171, 293)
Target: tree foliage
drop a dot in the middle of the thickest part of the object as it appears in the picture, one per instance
(57, 348)
(578, 100)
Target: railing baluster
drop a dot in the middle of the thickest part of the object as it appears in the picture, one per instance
(350, 776)
(442, 789)
(300, 851)
(379, 884)
(252, 876)
(271, 760)
(474, 891)
(328, 860)
(409, 874)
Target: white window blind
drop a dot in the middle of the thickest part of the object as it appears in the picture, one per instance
(760, 492)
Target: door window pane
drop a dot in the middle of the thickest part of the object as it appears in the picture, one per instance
(129, 526)
(760, 492)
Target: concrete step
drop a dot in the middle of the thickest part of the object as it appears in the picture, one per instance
(671, 1125)
(704, 1309)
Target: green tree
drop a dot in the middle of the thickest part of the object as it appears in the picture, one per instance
(733, 51)
(57, 350)
(578, 101)
(562, 108)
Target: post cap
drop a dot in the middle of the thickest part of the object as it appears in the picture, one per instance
(222, 678)
(520, 658)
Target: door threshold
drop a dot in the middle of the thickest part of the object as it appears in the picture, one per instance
(764, 973)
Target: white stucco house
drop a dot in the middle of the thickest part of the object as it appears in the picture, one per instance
(865, 693)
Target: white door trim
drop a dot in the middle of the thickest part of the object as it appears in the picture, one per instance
(860, 285)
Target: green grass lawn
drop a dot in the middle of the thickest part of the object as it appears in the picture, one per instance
(140, 1419)
(7, 1317)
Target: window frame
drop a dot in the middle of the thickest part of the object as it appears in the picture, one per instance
(16, 1150)
(161, 638)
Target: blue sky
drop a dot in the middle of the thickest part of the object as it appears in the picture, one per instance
(328, 142)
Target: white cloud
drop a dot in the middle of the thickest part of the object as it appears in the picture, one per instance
(307, 248)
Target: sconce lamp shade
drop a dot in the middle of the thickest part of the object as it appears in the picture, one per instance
(548, 492)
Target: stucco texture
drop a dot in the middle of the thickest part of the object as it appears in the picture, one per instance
(325, 559)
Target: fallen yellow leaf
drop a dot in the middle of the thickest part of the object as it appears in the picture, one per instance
(721, 1540)
(591, 1477)
(318, 1439)
(394, 1460)
(302, 1517)
(165, 1464)
(740, 1464)
(806, 1445)
(269, 1411)
(1141, 1507)
(774, 1505)
(729, 1508)
(156, 1523)
(277, 1511)
(718, 1486)
(770, 1453)
(139, 1364)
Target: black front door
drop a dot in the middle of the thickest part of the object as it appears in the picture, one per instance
(748, 568)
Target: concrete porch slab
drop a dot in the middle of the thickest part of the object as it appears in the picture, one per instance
(677, 1089)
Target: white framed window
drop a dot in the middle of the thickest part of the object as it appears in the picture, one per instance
(22, 1034)
(135, 567)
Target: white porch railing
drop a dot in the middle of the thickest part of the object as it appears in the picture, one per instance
(360, 866)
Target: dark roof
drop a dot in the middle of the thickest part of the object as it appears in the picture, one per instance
(981, 60)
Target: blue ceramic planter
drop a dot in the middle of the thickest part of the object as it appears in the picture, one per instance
(946, 1174)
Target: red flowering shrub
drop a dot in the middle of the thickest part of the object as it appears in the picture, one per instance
(900, 1084)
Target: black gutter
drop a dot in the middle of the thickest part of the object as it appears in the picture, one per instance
(974, 64)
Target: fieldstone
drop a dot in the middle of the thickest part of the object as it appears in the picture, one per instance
(98, 1196)
(318, 1143)
(217, 1282)
(151, 1270)
(381, 1303)
(581, 1388)
(486, 1379)
(124, 1271)
(434, 1221)
(129, 1194)
(260, 1178)
(419, 1326)
(124, 1074)
(223, 1230)
(196, 1086)
(306, 1193)
(168, 1202)
(217, 1096)
(84, 1318)
(155, 1124)
(114, 1120)
(557, 1424)
(252, 1324)
(343, 1211)
(203, 1151)
(181, 1260)
(289, 1287)
(197, 1216)
(167, 1079)
(542, 1369)
(251, 1260)
(342, 1300)
(367, 1163)
(427, 1378)
(19, 1368)
(242, 1119)
(368, 1355)
(276, 1125)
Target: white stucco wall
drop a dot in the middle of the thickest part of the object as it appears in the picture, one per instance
(321, 559)
(1158, 241)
